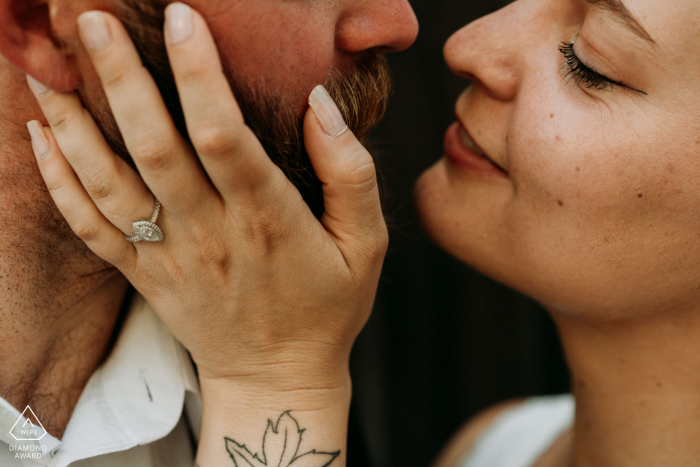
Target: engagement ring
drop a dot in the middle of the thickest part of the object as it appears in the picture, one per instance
(147, 231)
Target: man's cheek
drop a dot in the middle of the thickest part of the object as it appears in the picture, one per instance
(290, 55)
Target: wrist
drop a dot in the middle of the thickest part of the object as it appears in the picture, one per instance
(279, 368)
(241, 417)
(289, 384)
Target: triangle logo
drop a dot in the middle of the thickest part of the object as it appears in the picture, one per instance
(28, 430)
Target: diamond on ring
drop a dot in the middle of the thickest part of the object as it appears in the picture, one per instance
(147, 230)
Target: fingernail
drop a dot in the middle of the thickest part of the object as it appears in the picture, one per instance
(40, 89)
(95, 31)
(327, 112)
(178, 20)
(42, 148)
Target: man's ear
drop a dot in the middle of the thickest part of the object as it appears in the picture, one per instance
(28, 39)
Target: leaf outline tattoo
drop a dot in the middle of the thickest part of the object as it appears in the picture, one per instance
(281, 443)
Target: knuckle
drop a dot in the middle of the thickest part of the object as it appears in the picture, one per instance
(264, 233)
(214, 253)
(115, 75)
(62, 120)
(376, 246)
(373, 245)
(365, 175)
(215, 141)
(382, 242)
(151, 152)
(99, 183)
(55, 184)
(85, 230)
(193, 73)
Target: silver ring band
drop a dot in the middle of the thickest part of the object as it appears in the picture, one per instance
(147, 230)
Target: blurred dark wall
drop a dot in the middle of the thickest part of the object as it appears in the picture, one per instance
(444, 342)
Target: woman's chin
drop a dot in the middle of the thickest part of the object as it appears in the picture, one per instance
(437, 210)
(427, 194)
(464, 218)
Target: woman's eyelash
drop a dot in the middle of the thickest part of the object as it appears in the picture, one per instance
(577, 70)
(586, 76)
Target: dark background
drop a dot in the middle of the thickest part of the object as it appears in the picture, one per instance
(444, 342)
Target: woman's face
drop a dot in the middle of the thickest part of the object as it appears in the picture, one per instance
(592, 110)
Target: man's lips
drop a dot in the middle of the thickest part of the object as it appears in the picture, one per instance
(463, 152)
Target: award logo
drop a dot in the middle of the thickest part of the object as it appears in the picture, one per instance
(28, 430)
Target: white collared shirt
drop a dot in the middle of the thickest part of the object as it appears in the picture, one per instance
(141, 407)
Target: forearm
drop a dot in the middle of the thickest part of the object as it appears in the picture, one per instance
(264, 426)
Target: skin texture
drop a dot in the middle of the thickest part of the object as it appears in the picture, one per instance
(51, 284)
(598, 217)
(65, 281)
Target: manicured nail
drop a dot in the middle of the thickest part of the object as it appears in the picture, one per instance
(40, 89)
(95, 31)
(327, 112)
(42, 148)
(178, 21)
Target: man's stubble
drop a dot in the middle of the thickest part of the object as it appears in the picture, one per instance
(361, 94)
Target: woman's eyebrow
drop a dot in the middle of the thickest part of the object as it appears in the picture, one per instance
(620, 12)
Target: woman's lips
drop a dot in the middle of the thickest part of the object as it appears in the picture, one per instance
(464, 153)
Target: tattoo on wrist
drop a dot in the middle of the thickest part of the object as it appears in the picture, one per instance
(281, 446)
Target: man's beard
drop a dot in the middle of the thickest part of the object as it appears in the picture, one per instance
(361, 94)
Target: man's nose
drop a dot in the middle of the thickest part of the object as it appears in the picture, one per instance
(380, 25)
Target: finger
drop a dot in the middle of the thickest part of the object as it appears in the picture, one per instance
(353, 211)
(86, 221)
(116, 189)
(164, 159)
(230, 152)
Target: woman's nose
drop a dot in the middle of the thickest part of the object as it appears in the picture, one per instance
(489, 51)
(379, 25)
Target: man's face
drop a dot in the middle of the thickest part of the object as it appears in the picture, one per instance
(274, 53)
(293, 45)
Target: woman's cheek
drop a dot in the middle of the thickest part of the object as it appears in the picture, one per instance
(595, 217)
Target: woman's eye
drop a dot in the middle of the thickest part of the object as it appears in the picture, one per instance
(584, 75)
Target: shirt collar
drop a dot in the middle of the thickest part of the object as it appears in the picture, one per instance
(135, 397)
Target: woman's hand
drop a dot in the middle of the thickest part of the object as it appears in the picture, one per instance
(261, 293)
(246, 274)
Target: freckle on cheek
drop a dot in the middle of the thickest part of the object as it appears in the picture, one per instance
(640, 195)
(560, 203)
(551, 115)
(578, 169)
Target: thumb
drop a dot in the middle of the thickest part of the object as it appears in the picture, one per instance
(351, 196)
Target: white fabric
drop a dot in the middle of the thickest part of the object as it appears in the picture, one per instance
(523, 434)
(130, 414)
